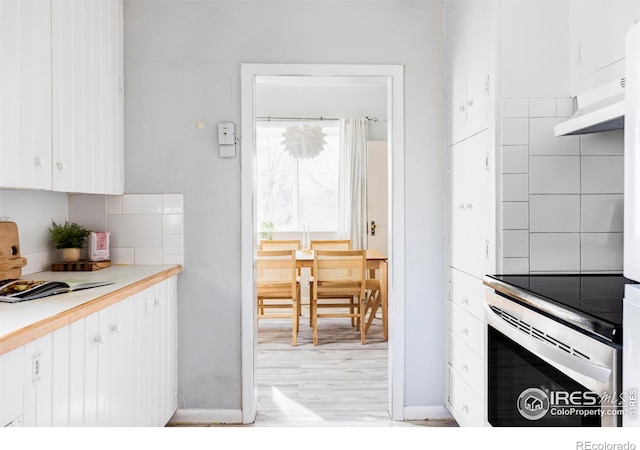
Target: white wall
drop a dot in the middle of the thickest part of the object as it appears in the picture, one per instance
(182, 65)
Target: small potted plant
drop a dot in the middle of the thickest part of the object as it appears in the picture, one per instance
(69, 237)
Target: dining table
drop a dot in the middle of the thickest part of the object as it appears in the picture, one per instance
(377, 266)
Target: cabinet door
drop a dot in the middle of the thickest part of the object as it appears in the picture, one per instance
(470, 205)
(459, 205)
(87, 96)
(119, 328)
(11, 387)
(60, 378)
(456, 37)
(601, 33)
(167, 349)
(172, 348)
(479, 198)
(25, 90)
(480, 25)
(38, 387)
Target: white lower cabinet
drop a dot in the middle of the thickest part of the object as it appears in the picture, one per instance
(115, 367)
(11, 376)
(468, 408)
(466, 369)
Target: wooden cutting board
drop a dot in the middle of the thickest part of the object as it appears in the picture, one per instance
(11, 263)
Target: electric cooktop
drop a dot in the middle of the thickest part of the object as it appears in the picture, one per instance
(583, 298)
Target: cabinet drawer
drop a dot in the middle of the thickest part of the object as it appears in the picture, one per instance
(467, 292)
(467, 328)
(468, 365)
(468, 407)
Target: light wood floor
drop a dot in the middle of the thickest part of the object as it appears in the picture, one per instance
(339, 382)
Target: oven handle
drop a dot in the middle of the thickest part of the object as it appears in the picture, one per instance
(559, 358)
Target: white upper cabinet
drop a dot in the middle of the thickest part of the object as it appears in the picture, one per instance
(470, 45)
(87, 74)
(25, 94)
(598, 40)
(61, 114)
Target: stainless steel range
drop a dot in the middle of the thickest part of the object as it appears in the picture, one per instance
(554, 349)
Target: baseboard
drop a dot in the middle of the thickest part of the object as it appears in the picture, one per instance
(426, 413)
(207, 416)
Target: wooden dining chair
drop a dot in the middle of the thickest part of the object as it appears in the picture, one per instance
(339, 274)
(280, 244)
(283, 244)
(330, 244)
(278, 287)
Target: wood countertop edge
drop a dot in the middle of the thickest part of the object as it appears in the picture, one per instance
(42, 327)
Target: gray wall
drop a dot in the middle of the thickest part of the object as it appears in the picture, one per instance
(182, 65)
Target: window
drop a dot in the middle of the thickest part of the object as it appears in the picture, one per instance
(292, 193)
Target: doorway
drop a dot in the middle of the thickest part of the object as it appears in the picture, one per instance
(393, 76)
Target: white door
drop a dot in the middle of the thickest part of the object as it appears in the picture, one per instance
(377, 196)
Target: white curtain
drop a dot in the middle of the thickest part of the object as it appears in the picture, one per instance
(352, 216)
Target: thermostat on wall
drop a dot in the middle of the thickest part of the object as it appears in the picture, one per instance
(227, 139)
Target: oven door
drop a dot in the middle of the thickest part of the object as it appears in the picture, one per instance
(544, 373)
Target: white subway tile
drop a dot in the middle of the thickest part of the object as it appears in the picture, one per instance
(515, 159)
(515, 265)
(606, 143)
(602, 251)
(89, 211)
(515, 187)
(132, 204)
(114, 204)
(565, 107)
(515, 107)
(515, 131)
(122, 255)
(555, 174)
(172, 244)
(602, 174)
(515, 243)
(173, 203)
(555, 213)
(148, 256)
(173, 259)
(135, 230)
(34, 263)
(544, 142)
(152, 204)
(172, 223)
(542, 107)
(555, 252)
(515, 215)
(602, 213)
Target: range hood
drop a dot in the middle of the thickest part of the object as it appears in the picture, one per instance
(600, 109)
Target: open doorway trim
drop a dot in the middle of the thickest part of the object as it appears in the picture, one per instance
(395, 105)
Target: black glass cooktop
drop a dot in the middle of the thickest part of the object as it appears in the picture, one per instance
(591, 295)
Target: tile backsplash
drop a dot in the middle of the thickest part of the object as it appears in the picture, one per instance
(145, 228)
(562, 197)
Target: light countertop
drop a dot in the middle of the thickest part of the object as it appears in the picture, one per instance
(25, 321)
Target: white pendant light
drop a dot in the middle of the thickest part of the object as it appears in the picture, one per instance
(304, 142)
